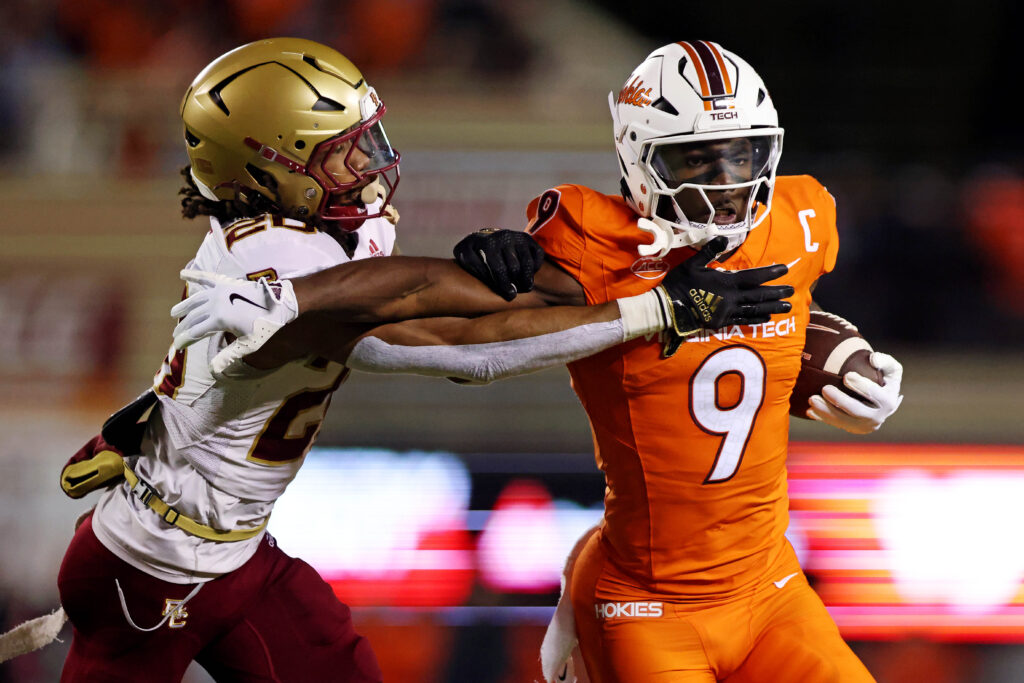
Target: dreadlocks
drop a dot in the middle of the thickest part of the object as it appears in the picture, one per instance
(252, 204)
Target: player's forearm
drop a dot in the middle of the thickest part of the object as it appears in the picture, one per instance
(494, 347)
(521, 324)
(398, 288)
(504, 344)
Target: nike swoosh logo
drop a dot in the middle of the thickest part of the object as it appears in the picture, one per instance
(793, 263)
(784, 580)
(821, 328)
(565, 672)
(233, 297)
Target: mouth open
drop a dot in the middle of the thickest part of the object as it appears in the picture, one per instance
(725, 215)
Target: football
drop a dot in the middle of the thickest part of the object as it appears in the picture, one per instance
(833, 347)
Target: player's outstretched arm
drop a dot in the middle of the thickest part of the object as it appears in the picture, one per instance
(401, 287)
(492, 347)
(691, 297)
(477, 350)
(365, 291)
(378, 290)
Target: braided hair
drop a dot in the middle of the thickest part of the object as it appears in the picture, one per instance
(249, 204)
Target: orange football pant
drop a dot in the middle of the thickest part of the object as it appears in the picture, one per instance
(769, 635)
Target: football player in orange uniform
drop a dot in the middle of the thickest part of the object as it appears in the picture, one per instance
(689, 577)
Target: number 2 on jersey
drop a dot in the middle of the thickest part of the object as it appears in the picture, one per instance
(734, 423)
(290, 431)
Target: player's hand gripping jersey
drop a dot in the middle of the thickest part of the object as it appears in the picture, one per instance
(223, 451)
(693, 447)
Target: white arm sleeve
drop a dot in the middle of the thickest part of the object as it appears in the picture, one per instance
(484, 363)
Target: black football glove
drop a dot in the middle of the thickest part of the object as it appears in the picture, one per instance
(699, 297)
(504, 260)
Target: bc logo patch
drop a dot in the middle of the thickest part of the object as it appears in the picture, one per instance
(177, 612)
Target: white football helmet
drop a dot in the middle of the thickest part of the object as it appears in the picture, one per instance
(695, 119)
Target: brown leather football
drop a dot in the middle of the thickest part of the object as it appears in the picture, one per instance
(833, 347)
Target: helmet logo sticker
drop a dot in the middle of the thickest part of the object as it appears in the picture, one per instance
(649, 267)
(635, 94)
(643, 188)
(369, 104)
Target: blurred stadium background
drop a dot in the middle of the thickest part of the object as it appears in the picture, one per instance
(441, 512)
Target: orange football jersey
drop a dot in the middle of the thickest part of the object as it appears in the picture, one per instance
(693, 447)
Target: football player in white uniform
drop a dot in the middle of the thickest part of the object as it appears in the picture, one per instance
(289, 160)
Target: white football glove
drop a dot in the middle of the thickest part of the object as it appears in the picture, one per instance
(836, 408)
(251, 310)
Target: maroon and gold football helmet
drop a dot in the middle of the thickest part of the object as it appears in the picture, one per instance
(296, 122)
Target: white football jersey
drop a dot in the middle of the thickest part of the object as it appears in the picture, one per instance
(223, 451)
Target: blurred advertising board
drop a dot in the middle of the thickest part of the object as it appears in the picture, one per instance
(899, 540)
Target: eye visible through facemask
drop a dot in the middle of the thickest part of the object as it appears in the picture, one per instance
(712, 162)
(352, 155)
